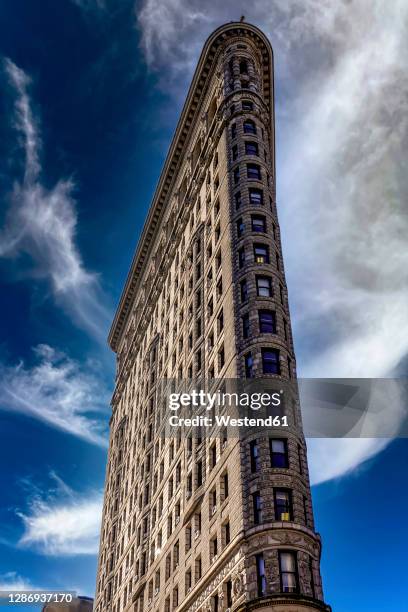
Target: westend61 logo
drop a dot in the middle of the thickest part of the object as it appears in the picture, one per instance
(199, 401)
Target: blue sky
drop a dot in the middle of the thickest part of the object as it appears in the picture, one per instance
(90, 92)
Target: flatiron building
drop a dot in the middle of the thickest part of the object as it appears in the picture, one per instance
(209, 524)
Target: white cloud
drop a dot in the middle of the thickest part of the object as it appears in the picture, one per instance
(12, 581)
(64, 523)
(58, 391)
(42, 223)
(342, 132)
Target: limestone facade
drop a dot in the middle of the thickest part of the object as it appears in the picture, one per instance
(209, 524)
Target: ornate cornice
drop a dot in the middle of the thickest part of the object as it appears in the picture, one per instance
(177, 151)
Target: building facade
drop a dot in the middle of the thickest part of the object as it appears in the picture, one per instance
(78, 604)
(202, 524)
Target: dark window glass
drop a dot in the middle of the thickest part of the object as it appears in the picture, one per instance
(236, 175)
(249, 365)
(260, 574)
(270, 361)
(249, 127)
(256, 197)
(229, 593)
(241, 257)
(264, 286)
(243, 67)
(254, 172)
(257, 507)
(233, 130)
(261, 253)
(245, 326)
(240, 227)
(288, 572)
(283, 504)
(247, 105)
(234, 152)
(258, 223)
(237, 200)
(244, 291)
(267, 322)
(251, 148)
(254, 452)
(279, 453)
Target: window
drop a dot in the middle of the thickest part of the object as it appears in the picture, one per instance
(260, 574)
(254, 454)
(283, 504)
(233, 130)
(289, 361)
(249, 366)
(220, 321)
(257, 507)
(215, 603)
(288, 572)
(225, 483)
(251, 148)
(243, 67)
(188, 537)
(256, 197)
(270, 361)
(245, 326)
(213, 548)
(175, 597)
(244, 291)
(234, 152)
(199, 473)
(247, 105)
(261, 253)
(240, 227)
(229, 593)
(237, 200)
(213, 455)
(241, 257)
(198, 569)
(258, 223)
(226, 533)
(279, 453)
(264, 286)
(253, 172)
(267, 322)
(176, 555)
(236, 175)
(249, 127)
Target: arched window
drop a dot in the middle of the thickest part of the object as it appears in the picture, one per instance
(243, 67)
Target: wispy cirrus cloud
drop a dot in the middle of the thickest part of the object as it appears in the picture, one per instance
(12, 581)
(342, 134)
(63, 522)
(59, 391)
(41, 223)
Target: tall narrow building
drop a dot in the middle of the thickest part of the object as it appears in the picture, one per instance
(209, 524)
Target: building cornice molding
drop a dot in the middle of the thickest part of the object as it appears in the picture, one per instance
(194, 100)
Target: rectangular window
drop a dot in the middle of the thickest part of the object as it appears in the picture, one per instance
(240, 227)
(247, 105)
(234, 152)
(283, 504)
(245, 326)
(244, 291)
(256, 197)
(229, 593)
(213, 548)
(288, 572)
(233, 130)
(213, 455)
(279, 453)
(254, 454)
(251, 148)
(258, 223)
(260, 574)
(270, 361)
(221, 359)
(198, 569)
(226, 533)
(257, 507)
(199, 473)
(264, 286)
(261, 253)
(236, 175)
(237, 200)
(225, 483)
(220, 321)
(249, 366)
(249, 127)
(241, 257)
(253, 172)
(267, 322)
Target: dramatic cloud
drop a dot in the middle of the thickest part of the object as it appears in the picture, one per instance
(58, 391)
(342, 133)
(63, 523)
(42, 223)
